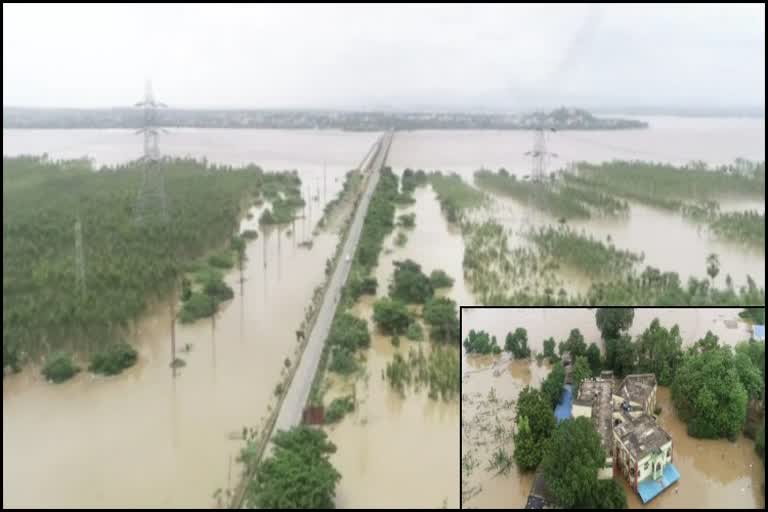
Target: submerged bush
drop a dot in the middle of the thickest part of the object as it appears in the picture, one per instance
(342, 361)
(199, 305)
(338, 408)
(60, 367)
(414, 332)
(440, 279)
(114, 359)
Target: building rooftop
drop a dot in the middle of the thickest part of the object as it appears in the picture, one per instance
(637, 387)
(599, 393)
(641, 436)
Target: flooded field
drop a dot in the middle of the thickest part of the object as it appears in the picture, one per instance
(145, 439)
(714, 473)
(490, 386)
(395, 451)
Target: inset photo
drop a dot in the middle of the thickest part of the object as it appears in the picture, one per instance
(612, 407)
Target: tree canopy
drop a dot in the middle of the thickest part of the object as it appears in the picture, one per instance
(593, 356)
(391, 315)
(298, 475)
(611, 321)
(571, 461)
(480, 342)
(535, 421)
(517, 343)
(549, 349)
(709, 394)
(410, 284)
(660, 352)
(581, 371)
(575, 343)
(440, 313)
(552, 386)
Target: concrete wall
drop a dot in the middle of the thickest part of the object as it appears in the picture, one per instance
(651, 460)
(581, 410)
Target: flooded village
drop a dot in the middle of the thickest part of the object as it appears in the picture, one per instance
(647, 449)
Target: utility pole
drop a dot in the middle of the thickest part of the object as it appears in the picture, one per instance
(79, 258)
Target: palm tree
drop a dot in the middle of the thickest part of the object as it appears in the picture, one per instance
(713, 266)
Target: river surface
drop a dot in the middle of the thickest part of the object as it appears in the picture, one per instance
(714, 473)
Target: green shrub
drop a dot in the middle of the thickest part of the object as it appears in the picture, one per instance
(410, 284)
(440, 279)
(221, 260)
(338, 408)
(391, 316)
(349, 332)
(114, 359)
(199, 305)
(414, 332)
(407, 220)
(342, 361)
(60, 367)
(250, 234)
(219, 291)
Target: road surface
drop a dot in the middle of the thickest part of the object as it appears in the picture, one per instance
(292, 408)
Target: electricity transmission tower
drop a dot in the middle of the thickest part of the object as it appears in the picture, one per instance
(151, 203)
(539, 154)
(79, 258)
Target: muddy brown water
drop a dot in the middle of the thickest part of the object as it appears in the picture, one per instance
(714, 473)
(395, 451)
(143, 438)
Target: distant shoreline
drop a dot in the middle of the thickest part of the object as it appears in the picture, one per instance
(132, 118)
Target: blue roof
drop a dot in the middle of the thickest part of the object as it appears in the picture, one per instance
(650, 488)
(758, 332)
(563, 409)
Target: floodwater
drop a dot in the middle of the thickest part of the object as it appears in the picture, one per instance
(482, 422)
(541, 323)
(144, 439)
(681, 246)
(675, 140)
(714, 473)
(395, 451)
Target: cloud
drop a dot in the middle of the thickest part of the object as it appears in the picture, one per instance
(269, 55)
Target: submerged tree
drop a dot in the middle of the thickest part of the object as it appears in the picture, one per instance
(709, 394)
(660, 351)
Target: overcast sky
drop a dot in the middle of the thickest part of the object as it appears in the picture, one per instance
(385, 56)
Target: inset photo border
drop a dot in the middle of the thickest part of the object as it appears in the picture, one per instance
(613, 407)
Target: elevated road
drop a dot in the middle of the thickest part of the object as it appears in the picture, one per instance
(292, 408)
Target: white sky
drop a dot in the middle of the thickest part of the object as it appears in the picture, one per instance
(376, 56)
